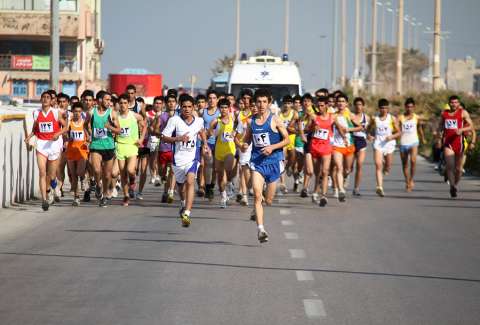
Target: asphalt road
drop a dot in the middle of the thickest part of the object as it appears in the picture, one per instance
(409, 258)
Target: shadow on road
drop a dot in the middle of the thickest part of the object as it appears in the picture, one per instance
(191, 242)
(252, 267)
(124, 231)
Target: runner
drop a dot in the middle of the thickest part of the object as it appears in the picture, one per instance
(360, 141)
(386, 130)
(343, 147)
(87, 184)
(308, 110)
(288, 116)
(453, 124)
(128, 141)
(77, 149)
(143, 158)
(409, 141)
(153, 140)
(134, 103)
(201, 104)
(63, 101)
(48, 127)
(223, 130)
(103, 124)
(299, 145)
(269, 137)
(186, 128)
(320, 125)
(210, 114)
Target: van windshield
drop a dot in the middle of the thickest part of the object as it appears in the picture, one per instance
(278, 91)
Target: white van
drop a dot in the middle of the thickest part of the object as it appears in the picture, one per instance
(279, 75)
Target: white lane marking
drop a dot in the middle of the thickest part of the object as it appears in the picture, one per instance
(304, 275)
(282, 201)
(287, 223)
(291, 235)
(297, 253)
(285, 212)
(314, 308)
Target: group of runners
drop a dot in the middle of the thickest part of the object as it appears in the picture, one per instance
(108, 144)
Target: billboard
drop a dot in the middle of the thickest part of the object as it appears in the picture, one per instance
(21, 62)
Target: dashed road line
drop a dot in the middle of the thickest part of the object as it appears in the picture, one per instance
(287, 223)
(304, 275)
(285, 212)
(291, 235)
(297, 253)
(314, 308)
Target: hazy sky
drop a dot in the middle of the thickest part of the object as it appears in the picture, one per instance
(183, 37)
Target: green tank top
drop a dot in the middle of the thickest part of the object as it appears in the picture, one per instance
(128, 129)
(298, 139)
(102, 138)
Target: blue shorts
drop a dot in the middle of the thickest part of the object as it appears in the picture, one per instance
(360, 143)
(406, 148)
(270, 172)
(211, 146)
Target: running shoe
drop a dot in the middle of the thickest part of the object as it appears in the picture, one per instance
(152, 180)
(356, 192)
(253, 215)
(164, 198)
(76, 202)
(244, 200)
(346, 181)
(323, 201)
(45, 205)
(335, 193)
(50, 197)
(170, 198)
(139, 196)
(201, 192)
(158, 181)
(230, 190)
(57, 194)
(239, 198)
(262, 236)
(304, 193)
(131, 193)
(126, 201)
(380, 192)
(82, 185)
(295, 186)
(103, 202)
(86, 196)
(315, 197)
(283, 189)
(98, 192)
(186, 220)
(453, 191)
(114, 192)
(342, 197)
(223, 203)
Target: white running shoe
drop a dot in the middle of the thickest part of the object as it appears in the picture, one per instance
(50, 198)
(244, 200)
(315, 198)
(335, 193)
(57, 194)
(262, 236)
(223, 203)
(114, 192)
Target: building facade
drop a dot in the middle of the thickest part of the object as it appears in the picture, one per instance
(25, 47)
(461, 75)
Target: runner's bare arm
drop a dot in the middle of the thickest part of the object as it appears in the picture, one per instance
(63, 129)
(467, 120)
(247, 138)
(396, 130)
(277, 124)
(113, 126)
(142, 127)
(211, 128)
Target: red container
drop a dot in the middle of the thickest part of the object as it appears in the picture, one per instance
(148, 85)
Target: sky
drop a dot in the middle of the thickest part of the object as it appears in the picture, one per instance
(181, 38)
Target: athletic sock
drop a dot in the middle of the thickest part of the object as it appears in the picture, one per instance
(182, 203)
(261, 228)
(224, 195)
(187, 212)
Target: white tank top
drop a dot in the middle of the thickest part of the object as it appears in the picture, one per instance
(383, 129)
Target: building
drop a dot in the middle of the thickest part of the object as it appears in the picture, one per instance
(25, 47)
(462, 74)
(148, 84)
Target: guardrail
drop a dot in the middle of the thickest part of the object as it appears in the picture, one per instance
(18, 166)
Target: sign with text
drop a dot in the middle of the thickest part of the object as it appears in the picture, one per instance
(22, 62)
(41, 62)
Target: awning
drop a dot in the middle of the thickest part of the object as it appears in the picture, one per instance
(42, 75)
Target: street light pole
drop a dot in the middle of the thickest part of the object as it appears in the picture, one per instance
(287, 22)
(399, 75)
(54, 44)
(357, 48)
(237, 43)
(373, 73)
(334, 45)
(343, 77)
(436, 46)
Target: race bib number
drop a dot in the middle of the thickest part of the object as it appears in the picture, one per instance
(77, 135)
(382, 131)
(321, 134)
(408, 127)
(451, 124)
(190, 145)
(45, 127)
(100, 133)
(261, 139)
(227, 137)
(125, 132)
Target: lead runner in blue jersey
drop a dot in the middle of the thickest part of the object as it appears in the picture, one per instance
(269, 136)
(183, 131)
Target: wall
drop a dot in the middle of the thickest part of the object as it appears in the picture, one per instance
(18, 169)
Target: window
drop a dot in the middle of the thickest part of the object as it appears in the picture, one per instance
(40, 87)
(40, 5)
(69, 88)
(20, 88)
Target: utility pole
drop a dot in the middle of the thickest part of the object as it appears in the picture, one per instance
(334, 45)
(436, 46)
(357, 49)
(382, 35)
(399, 75)
(54, 44)
(237, 45)
(343, 77)
(373, 73)
(287, 22)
